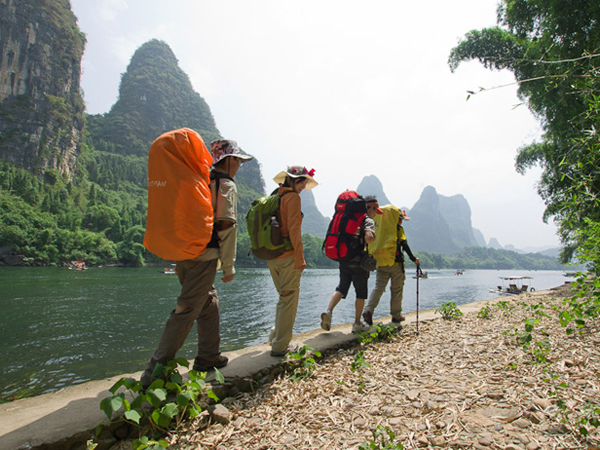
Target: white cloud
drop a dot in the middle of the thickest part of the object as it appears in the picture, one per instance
(109, 10)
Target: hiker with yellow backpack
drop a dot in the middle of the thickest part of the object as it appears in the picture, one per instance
(389, 250)
(192, 219)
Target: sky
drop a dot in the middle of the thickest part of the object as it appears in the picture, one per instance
(349, 88)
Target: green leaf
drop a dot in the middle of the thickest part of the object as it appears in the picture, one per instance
(157, 384)
(133, 415)
(117, 385)
(156, 396)
(177, 378)
(158, 370)
(164, 416)
(137, 402)
(212, 395)
(219, 376)
(184, 398)
(183, 362)
(111, 405)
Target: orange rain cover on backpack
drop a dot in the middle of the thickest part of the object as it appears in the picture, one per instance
(180, 214)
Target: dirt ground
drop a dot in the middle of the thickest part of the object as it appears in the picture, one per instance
(465, 383)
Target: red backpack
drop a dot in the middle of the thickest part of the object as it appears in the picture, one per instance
(340, 242)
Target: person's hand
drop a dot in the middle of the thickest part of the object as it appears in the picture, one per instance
(227, 278)
(417, 262)
(300, 267)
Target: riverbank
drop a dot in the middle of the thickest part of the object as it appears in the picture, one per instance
(457, 384)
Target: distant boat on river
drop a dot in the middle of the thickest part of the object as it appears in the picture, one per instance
(513, 285)
(77, 265)
(169, 270)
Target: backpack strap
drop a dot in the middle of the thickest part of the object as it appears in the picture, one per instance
(216, 177)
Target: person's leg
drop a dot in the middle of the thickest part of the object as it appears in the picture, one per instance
(340, 292)
(334, 300)
(381, 281)
(196, 278)
(397, 289)
(360, 279)
(358, 309)
(209, 335)
(288, 282)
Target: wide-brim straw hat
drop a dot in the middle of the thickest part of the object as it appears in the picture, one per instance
(297, 172)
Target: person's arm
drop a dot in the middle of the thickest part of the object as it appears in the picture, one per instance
(369, 225)
(227, 228)
(227, 248)
(294, 224)
(406, 248)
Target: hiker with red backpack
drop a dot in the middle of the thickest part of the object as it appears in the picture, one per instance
(389, 250)
(180, 161)
(287, 268)
(350, 230)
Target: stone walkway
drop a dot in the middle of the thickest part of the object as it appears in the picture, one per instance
(457, 384)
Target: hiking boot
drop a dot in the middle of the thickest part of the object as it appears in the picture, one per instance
(326, 320)
(360, 327)
(397, 324)
(291, 348)
(201, 366)
(402, 318)
(368, 316)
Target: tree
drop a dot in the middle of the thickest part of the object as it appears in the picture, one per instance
(553, 49)
(131, 250)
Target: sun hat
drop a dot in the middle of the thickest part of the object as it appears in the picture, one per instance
(296, 172)
(372, 199)
(223, 148)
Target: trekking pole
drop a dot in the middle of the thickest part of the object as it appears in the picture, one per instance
(419, 273)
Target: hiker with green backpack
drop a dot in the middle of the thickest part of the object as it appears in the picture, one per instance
(287, 268)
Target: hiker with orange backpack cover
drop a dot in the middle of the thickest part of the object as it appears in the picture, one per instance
(198, 301)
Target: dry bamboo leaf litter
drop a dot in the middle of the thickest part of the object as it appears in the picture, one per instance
(458, 384)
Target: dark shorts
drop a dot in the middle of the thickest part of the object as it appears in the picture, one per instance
(353, 274)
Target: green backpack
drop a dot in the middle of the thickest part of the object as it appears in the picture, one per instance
(263, 221)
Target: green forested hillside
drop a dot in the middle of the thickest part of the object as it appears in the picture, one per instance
(488, 258)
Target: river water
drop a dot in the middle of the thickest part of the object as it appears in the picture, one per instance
(60, 327)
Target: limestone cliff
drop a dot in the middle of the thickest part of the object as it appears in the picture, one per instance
(41, 108)
(440, 224)
(155, 96)
(314, 222)
(370, 185)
